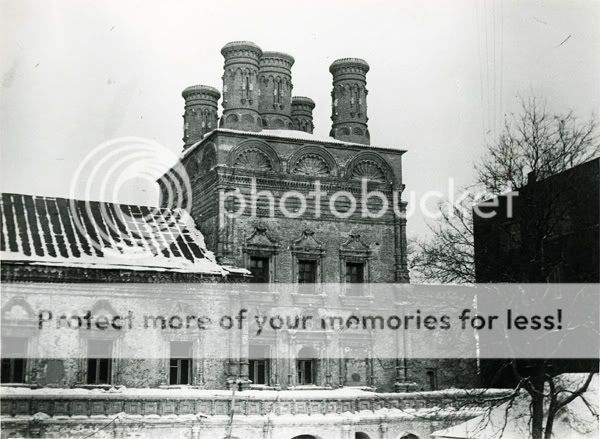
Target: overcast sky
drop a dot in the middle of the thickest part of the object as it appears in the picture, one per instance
(443, 74)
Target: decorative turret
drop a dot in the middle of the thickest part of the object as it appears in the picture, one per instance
(240, 86)
(302, 117)
(275, 84)
(349, 100)
(200, 116)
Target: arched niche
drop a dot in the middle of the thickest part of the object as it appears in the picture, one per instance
(313, 160)
(17, 308)
(370, 166)
(254, 155)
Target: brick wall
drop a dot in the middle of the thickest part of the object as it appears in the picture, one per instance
(278, 166)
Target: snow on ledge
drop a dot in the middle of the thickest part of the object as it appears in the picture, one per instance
(195, 392)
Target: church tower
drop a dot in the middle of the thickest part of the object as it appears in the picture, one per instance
(200, 116)
(240, 86)
(275, 84)
(349, 100)
(302, 108)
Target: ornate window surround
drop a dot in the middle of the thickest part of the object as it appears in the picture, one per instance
(261, 244)
(269, 346)
(307, 247)
(193, 335)
(101, 308)
(355, 250)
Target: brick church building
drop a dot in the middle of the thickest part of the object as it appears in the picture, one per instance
(107, 258)
(265, 136)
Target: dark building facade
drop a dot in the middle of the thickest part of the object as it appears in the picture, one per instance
(547, 232)
(552, 235)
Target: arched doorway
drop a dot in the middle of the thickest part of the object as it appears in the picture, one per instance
(361, 435)
(306, 366)
(408, 436)
(305, 436)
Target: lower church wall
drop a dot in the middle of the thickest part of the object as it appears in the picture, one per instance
(344, 413)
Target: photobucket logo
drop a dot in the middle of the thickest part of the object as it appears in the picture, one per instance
(129, 231)
(365, 204)
(315, 203)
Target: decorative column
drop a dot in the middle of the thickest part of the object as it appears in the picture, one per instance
(244, 349)
(346, 431)
(234, 371)
(404, 275)
(34, 428)
(267, 430)
(120, 430)
(370, 363)
(402, 384)
(383, 430)
(400, 245)
(328, 347)
(291, 363)
(196, 430)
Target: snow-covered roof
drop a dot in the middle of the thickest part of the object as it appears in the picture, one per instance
(285, 134)
(40, 230)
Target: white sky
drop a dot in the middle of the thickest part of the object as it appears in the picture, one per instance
(78, 73)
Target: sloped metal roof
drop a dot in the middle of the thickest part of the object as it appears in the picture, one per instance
(67, 232)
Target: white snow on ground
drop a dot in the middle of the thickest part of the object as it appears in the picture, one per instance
(578, 420)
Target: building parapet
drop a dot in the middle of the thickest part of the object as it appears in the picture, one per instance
(23, 402)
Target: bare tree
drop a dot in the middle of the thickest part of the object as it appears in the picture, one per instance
(534, 144)
(539, 143)
(448, 256)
